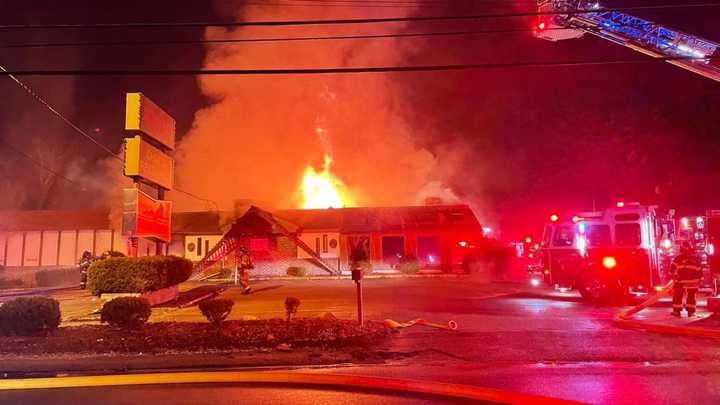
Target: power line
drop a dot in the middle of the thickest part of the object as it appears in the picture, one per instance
(55, 112)
(344, 21)
(77, 129)
(34, 161)
(277, 39)
(344, 70)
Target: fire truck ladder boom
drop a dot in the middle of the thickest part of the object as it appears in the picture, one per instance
(681, 49)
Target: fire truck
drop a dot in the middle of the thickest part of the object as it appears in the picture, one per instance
(607, 255)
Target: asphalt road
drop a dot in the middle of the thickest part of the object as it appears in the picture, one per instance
(509, 337)
(215, 394)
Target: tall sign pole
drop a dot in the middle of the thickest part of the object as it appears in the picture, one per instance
(148, 161)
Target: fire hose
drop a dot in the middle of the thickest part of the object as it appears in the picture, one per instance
(623, 320)
(451, 325)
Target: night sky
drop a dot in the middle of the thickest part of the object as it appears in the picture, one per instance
(523, 142)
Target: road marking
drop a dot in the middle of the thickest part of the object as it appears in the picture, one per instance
(292, 378)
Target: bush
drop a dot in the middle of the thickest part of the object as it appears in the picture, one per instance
(409, 264)
(216, 310)
(296, 271)
(137, 274)
(366, 267)
(52, 278)
(291, 307)
(29, 316)
(10, 283)
(126, 312)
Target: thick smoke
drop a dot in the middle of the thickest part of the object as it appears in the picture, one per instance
(261, 132)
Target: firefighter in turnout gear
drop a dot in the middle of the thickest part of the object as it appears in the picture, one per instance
(242, 270)
(686, 272)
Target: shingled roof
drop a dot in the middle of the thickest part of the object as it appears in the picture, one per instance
(344, 220)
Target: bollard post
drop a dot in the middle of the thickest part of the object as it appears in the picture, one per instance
(357, 277)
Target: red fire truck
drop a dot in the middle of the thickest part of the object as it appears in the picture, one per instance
(607, 255)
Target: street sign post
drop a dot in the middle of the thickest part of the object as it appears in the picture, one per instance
(148, 159)
(357, 275)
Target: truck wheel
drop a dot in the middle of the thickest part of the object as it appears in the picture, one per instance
(598, 291)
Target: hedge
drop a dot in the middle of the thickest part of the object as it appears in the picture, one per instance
(216, 310)
(409, 264)
(296, 271)
(137, 274)
(126, 312)
(29, 316)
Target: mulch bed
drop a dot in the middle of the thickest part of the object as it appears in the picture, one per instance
(162, 337)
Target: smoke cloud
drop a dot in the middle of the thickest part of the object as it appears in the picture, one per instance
(261, 132)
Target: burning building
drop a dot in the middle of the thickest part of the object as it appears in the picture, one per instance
(322, 241)
(441, 238)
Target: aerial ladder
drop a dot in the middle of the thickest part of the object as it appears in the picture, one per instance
(567, 19)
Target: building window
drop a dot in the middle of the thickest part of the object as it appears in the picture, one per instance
(359, 248)
(428, 251)
(563, 236)
(598, 235)
(627, 234)
(393, 248)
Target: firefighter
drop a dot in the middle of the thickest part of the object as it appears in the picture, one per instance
(686, 272)
(84, 263)
(242, 270)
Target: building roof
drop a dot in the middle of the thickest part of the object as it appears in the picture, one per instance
(344, 220)
(53, 220)
(381, 219)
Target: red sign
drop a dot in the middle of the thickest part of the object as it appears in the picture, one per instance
(146, 217)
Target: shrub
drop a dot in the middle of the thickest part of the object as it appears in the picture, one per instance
(409, 264)
(51, 278)
(137, 274)
(366, 267)
(29, 316)
(296, 271)
(126, 312)
(10, 283)
(291, 307)
(216, 310)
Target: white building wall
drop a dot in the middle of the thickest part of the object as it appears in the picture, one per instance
(14, 249)
(103, 241)
(50, 244)
(85, 242)
(3, 242)
(32, 249)
(68, 244)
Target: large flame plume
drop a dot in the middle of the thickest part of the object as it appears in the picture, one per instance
(322, 189)
(253, 141)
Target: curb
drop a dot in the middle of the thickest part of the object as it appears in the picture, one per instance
(348, 277)
(19, 292)
(622, 320)
(292, 378)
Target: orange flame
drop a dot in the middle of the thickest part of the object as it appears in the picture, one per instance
(323, 189)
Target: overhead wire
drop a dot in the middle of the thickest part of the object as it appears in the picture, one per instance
(77, 129)
(277, 39)
(345, 70)
(42, 166)
(274, 23)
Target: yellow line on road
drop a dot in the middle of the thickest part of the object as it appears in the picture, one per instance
(291, 378)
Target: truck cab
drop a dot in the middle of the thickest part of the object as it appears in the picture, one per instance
(605, 255)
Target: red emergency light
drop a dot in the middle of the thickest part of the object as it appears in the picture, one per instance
(620, 204)
(554, 218)
(541, 26)
(528, 239)
(609, 262)
(577, 219)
